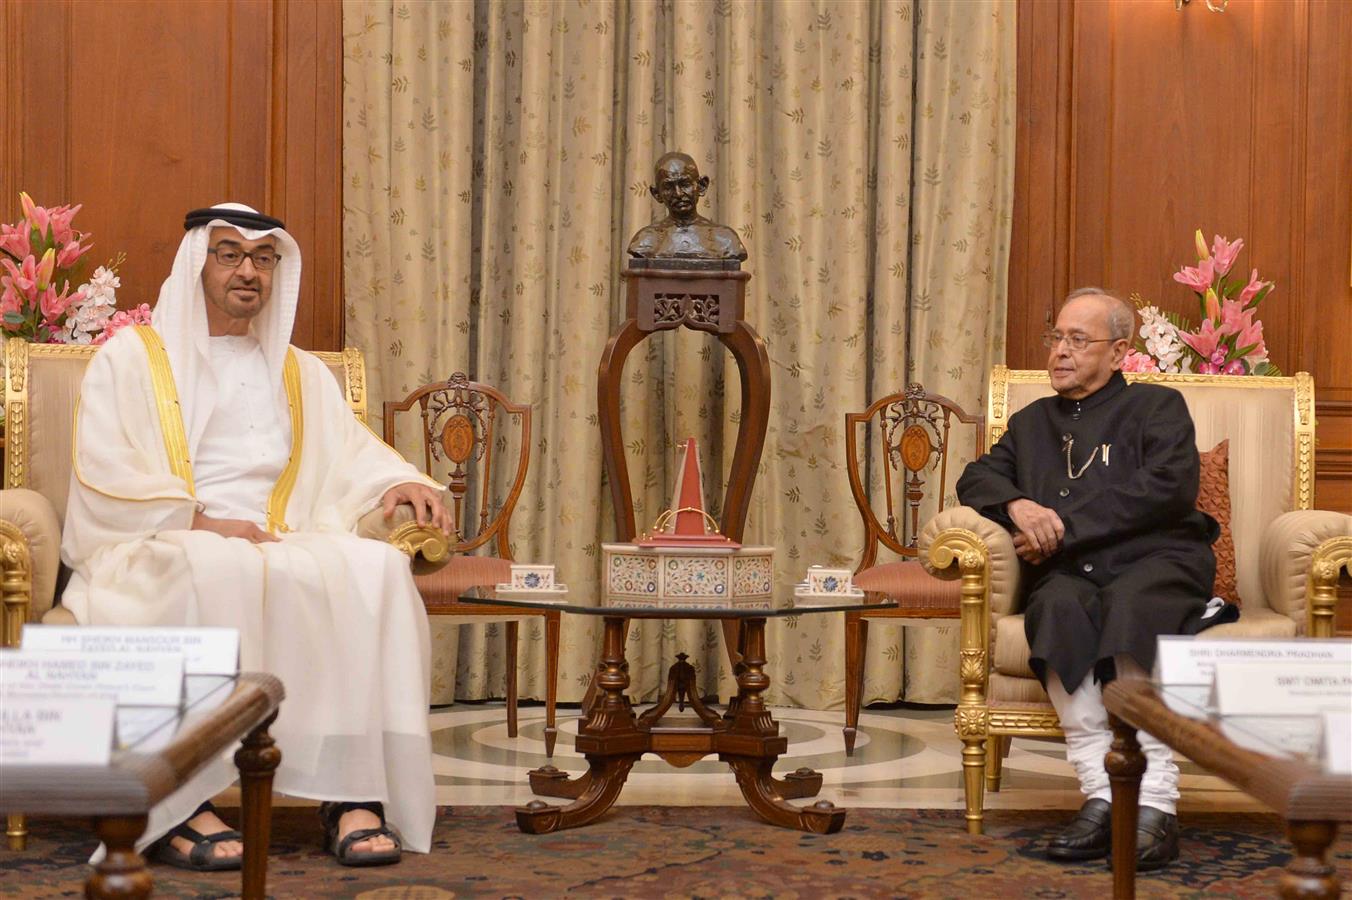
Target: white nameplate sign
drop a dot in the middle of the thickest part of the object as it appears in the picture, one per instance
(1293, 689)
(146, 679)
(1338, 743)
(206, 651)
(1189, 660)
(45, 731)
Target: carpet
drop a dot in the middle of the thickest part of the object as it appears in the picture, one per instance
(656, 852)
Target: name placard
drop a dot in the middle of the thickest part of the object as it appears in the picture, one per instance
(146, 679)
(1187, 660)
(55, 731)
(205, 651)
(1294, 689)
(1338, 743)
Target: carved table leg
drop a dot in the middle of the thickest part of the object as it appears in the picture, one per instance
(609, 738)
(856, 646)
(1125, 764)
(257, 758)
(122, 873)
(752, 745)
(1309, 876)
(513, 631)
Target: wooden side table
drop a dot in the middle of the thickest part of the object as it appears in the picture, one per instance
(163, 755)
(1311, 801)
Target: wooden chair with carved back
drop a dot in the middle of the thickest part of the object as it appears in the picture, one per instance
(466, 428)
(906, 439)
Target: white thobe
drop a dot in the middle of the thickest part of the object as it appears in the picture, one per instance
(337, 618)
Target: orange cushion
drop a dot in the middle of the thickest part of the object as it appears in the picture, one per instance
(913, 587)
(1213, 498)
(446, 584)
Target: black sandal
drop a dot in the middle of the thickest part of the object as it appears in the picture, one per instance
(202, 857)
(330, 813)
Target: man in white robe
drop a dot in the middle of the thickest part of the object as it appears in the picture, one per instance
(218, 476)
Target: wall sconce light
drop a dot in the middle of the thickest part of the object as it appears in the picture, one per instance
(1213, 5)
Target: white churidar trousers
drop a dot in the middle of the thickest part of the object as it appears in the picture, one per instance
(1084, 719)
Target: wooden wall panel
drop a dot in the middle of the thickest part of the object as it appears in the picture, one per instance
(1139, 123)
(144, 109)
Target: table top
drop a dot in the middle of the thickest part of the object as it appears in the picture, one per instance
(155, 750)
(1273, 758)
(640, 610)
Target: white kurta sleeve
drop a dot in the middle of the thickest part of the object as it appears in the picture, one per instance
(122, 487)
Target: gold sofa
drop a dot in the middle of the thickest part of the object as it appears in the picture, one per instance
(1288, 556)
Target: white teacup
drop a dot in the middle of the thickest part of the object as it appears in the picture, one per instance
(821, 580)
(532, 577)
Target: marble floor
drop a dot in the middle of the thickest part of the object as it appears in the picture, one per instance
(904, 758)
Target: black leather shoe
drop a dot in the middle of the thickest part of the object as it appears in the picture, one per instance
(1156, 839)
(1087, 836)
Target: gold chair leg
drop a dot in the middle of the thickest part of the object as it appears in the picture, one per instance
(974, 781)
(16, 832)
(997, 749)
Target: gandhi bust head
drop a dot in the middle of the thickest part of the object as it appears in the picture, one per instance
(684, 234)
(677, 185)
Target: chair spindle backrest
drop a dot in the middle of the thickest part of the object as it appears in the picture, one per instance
(465, 427)
(907, 439)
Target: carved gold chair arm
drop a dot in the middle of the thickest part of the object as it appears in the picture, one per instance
(427, 548)
(30, 548)
(1300, 558)
(1002, 561)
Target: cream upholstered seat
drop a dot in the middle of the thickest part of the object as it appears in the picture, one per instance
(1287, 555)
(42, 383)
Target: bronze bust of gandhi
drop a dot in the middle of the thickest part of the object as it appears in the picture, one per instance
(684, 234)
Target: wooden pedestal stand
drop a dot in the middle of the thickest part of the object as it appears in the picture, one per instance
(703, 295)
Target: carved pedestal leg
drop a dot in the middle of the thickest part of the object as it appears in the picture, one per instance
(1309, 876)
(856, 648)
(1125, 764)
(609, 738)
(758, 787)
(802, 782)
(16, 831)
(257, 758)
(552, 622)
(122, 873)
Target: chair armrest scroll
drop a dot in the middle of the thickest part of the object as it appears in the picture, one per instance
(1300, 558)
(427, 548)
(959, 529)
(30, 551)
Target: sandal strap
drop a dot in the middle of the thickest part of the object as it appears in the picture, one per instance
(362, 834)
(330, 811)
(203, 845)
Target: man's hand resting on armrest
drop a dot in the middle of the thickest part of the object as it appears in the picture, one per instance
(426, 503)
(1039, 530)
(232, 528)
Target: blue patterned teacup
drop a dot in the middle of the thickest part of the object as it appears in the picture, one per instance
(532, 577)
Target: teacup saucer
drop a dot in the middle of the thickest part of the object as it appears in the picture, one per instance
(803, 597)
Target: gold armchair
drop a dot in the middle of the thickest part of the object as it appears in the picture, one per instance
(1288, 556)
(42, 382)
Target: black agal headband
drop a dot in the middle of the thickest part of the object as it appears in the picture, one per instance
(241, 217)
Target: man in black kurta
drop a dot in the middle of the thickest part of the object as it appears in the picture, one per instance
(1098, 485)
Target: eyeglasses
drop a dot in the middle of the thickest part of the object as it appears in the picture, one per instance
(1077, 342)
(264, 259)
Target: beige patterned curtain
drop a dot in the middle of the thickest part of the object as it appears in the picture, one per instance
(496, 159)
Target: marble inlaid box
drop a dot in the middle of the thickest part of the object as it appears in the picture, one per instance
(688, 576)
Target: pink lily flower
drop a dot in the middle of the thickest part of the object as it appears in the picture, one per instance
(1205, 341)
(1199, 278)
(54, 305)
(14, 240)
(1223, 253)
(37, 216)
(10, 301)
(60, 217)
(1251, 289)
(70, 253)
(1213, 304)
(23, 278)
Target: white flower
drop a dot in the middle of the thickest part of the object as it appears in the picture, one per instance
(1161, 339)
